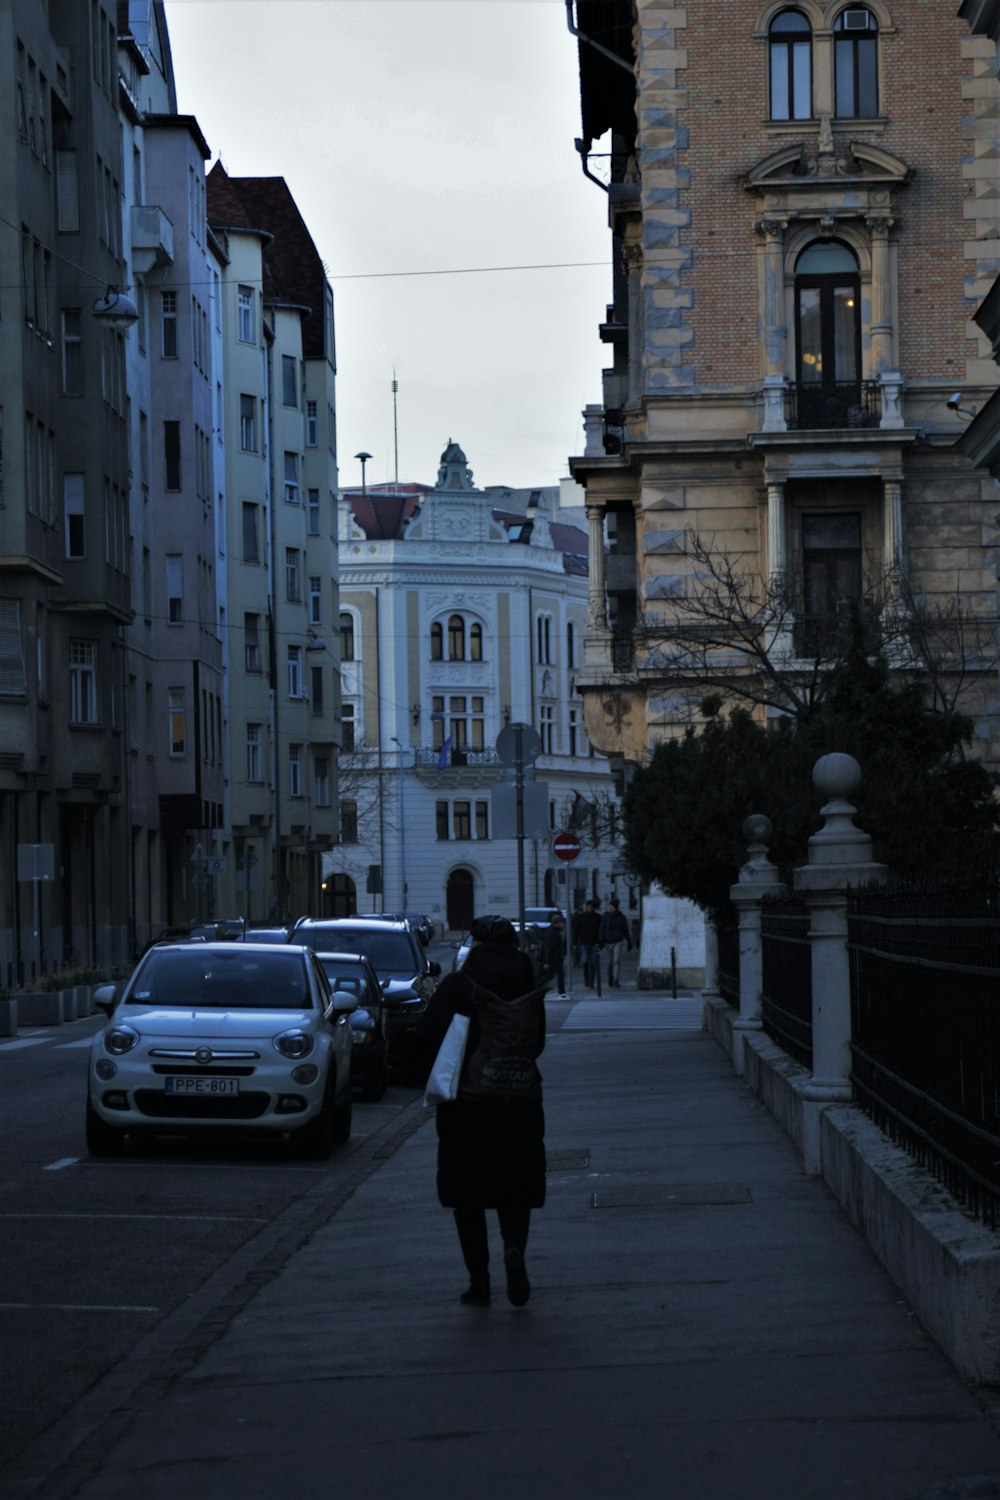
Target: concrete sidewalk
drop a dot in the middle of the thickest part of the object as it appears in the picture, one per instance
(705, 1324)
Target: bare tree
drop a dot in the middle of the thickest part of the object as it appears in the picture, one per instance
(751, 638)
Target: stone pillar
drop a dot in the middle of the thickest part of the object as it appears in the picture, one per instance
(758, 878)
(892, 501)
(777, 560)
(632, 262)
(879, 226)
(839, 856)
(775, 328)
(597, 609)
(593, 432)
(710, 989)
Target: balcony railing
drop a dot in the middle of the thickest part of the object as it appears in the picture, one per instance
(856, 403)
(457, 757)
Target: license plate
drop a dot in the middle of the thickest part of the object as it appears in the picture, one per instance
(174, 1084)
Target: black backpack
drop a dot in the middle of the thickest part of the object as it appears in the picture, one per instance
(501, 1067)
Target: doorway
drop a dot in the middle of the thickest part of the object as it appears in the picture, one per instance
(460, 900)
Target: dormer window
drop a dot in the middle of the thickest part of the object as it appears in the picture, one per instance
(790, 65)
(855, 62)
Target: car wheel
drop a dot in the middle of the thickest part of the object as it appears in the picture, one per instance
(102, 1139)
(314, 1141)
(342, 1119)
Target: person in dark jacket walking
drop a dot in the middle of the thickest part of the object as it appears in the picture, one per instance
(614, 936)
(491, 1155)
(555, 951)
(587, 936)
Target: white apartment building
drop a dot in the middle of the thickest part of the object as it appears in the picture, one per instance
(462, 611)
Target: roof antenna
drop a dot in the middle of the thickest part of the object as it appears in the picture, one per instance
(395, 428)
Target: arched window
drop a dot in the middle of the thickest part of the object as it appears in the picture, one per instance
(475, 642)
(346, 637)
(790, 65)
(437, 641)
(828, 334)
(456, 638)
(855, 63)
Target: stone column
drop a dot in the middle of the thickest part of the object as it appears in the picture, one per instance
(777, 561)
(597, 610)
(632, 264)
(882, 366)
(758, 878)
(775, 328)
(839, 856)
(892, 502)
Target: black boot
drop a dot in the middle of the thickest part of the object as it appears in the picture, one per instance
(478, 1293)
(518, 1285)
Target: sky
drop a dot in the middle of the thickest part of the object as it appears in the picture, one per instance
(425, 136)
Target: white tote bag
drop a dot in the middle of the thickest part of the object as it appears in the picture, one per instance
(442, 1084)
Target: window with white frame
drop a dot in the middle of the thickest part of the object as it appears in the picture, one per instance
(83, 682)
(168, 325)
(312, 425)
(312, 518)
(293, 580)
(346, 636)
(246, 331)
(546, 727)
(461, 719)
(315, 599)
(73, 514)
(176, 716)
(255, 761)
(294, 662)
(291, 478)
(295, 770)
(175, 588)
(251, 642)
(248, 423)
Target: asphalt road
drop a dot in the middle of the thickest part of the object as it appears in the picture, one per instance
(94, 1254)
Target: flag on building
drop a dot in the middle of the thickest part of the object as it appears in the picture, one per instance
(445, 755)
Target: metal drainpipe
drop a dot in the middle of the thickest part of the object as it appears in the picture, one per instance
(613, 57)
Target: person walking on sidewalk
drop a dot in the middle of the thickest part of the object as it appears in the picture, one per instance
(614, 936)
(554, 951)
(491, 1155)
(587, 935)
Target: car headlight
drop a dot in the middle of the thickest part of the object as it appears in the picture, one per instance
(295, 1044)
(120, 1039)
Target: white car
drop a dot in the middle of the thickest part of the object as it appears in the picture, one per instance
(207, 1037)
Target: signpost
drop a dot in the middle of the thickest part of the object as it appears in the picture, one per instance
(566, 846)
(36, 862)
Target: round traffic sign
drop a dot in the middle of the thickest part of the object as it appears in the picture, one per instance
(566, 846)
(518, 742)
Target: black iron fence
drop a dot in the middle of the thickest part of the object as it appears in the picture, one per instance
(925, 1023)
(852, 403)
(728, 937)
(786, 976)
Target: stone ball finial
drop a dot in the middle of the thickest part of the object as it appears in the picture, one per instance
(836, 775)
(757, 829)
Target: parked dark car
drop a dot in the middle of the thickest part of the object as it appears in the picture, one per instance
(358, 994)
(407, 976)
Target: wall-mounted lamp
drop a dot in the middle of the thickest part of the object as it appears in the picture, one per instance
(506, 713)
(954, 403)
(115, 310)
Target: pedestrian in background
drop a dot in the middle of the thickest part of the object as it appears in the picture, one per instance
(587, 933)
(614, 936)
(555, 951)
(490, 1155)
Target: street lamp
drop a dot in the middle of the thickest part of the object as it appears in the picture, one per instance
(402, 828)
(115, 310)
(363, 458)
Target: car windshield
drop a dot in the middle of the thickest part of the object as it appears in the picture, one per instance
(389, 952)
(235, 980)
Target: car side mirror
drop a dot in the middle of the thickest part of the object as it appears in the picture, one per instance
(344, 1001)
(105, 997)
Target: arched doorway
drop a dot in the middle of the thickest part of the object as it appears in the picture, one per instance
(460, 899)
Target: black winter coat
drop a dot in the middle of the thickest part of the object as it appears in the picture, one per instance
(489, 1155)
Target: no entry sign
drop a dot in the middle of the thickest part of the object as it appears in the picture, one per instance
(566, 846)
